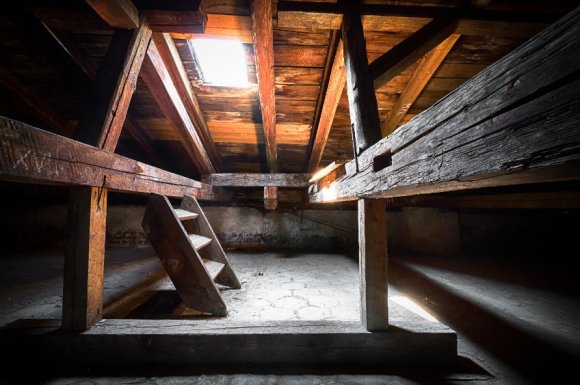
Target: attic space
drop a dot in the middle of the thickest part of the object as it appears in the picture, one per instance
(290, 192)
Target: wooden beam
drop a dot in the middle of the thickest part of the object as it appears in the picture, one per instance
(174, 65)
(423, 73)
(38, 107)
(380, 17)
(155, 74)
(372, 241)
(174, 15)
(514, 123)
(270, 197)
(117, 13)
(394, 61)
(258, 180)
(331, 99)
(32, 155)
(116, 80)
(362, 103)
(263, 34)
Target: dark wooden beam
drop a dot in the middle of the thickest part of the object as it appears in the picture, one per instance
(32, 155)
(395, 60)
(44, 112)
(155, 74)
(514, 123)
(263, 34)
(423, 73)
(270, 197)
(362, 103)
(174, 15)
(117, 13)
(372, 242)
(258, 180)
(332, 96)
(174, 65)
(116, 80)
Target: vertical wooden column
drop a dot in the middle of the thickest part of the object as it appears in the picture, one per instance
(100, 126)
(372, 243)
(270, 197)
(366, 127)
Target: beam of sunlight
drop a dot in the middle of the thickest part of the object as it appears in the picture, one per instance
(412, 307)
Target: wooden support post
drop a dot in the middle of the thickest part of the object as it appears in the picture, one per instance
(372, 240)
(362, 103)
(270, 197)
(84, 258)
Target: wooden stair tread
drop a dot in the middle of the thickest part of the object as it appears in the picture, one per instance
(213, 267)
(199, 241)
(184, 214)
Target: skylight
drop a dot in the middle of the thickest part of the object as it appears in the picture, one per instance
(222, 62)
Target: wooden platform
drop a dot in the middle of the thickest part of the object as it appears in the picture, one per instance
(219, 342)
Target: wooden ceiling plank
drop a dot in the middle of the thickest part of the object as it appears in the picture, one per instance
(174, 15)
(258, 180)
(174, 65)
(117, 13)
(331, 99)
(263, 35)
(394, 61)
(423, 73)
(157, 78)
(36, 105)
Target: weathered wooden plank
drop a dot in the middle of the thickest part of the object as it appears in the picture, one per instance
(116, 80)
(264, 50)
(270, 197)
(38, 107)
(32, 155)
(174, 15)
(362, 103)
(157, 78)
(258, 180)
(299, 55)
(514, 123)
(333, 93)
(394, 61)
(174, 65)
(372, 245)
(417, 83)
(117, 13)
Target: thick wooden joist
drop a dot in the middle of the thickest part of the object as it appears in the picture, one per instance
(104, 116)
(32, 155)
(423, 73)
(395, 60)
(174, 65)
(174, 15)
(44, 112)
(116, 13)
(334, 90)
(516, 122)
(263, 34)
(258, 180)
(155, 74)
(379, 17)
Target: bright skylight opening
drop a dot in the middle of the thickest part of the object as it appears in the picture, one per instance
(222, 62)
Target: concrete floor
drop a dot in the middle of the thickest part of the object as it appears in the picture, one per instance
(511, 331)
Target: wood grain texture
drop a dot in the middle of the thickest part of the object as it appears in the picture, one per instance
(423, 73)
(35, 156)
(264, 49)
(362, 102)
(117, 13)
(334, 91)
(258, 180)
(174, 15)
(514, 123)
(372, 246)
(270, 197)
(158, 80)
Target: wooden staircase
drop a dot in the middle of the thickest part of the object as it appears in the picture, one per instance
(190, 252)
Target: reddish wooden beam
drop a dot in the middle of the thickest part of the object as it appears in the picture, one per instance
(264, 50)
(270, 197)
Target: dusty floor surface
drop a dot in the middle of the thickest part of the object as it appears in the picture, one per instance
(509, 332)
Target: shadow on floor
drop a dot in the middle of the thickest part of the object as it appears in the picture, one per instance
(537, 360)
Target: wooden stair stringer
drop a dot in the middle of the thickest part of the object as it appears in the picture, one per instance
(180, 259)
(216, 253)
